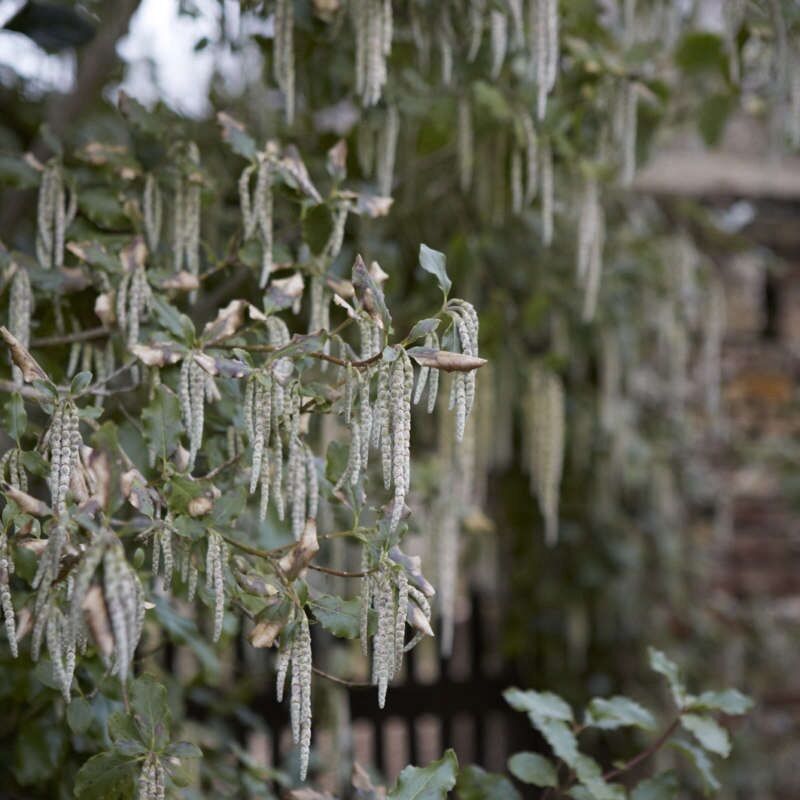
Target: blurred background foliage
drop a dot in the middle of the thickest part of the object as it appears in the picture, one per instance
(645, 507)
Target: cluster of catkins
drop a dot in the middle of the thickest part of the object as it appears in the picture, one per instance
(116, 629)
(462, 389)
(545, 424)
(530, 166)
(395, 601)
(194, 388)
(186, 216)
(272, 417)
(152, 780)
(257, 205)
(56, 210)
(63, 440)
(373, 28)
(297, 653)
(133, 302)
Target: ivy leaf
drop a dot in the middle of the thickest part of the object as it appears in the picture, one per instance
(150, 711)
(663, 787)
(475, 783)
(106, 776)
(161, 421)
(711, 735)
(559, 736)
(728, 701)
(618, 712)
(701, 762)
(39, 747)
(533, 768)
(436, 263)
(546, 705)
(340, 617)
(427, 783)
(666, 667)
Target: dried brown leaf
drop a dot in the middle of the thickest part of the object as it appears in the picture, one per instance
(31, 371)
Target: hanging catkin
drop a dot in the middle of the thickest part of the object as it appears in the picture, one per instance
(531, 158)
(498, 30)
(547, 52)
(387, 150)
(629, 100)
(152, 211)
(20, 308)
(283, 60)
(373, 27)
(591, 238)
(6, 604)
(548, 191)
(465, 143)
(544, 411)
(186, 217)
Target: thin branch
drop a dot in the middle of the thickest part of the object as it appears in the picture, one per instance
(220, 468)
(342, 681)
(68, 338)
(25, 391)
(340, 573)
(645, 754)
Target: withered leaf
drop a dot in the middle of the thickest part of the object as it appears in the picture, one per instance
(301, 555)
(445, 359)
(27, 503)
(157, 355)
(31, 371)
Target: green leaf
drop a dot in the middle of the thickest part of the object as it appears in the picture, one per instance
(713, 115)
(336, 460)
(728, 701)
(475, 783)
(435, 262)
(559, 736)
(161, 421)
(663, 787)
(711, 735)
(106, 776)
(39, 746)
(427, 783)
(235, 134)
(340, 617)
(422, 329)
(183, 630)
(317, 227)
(17, 173)
(664, 666)
(15, 418)
(618, 712)
(701, 762)
(179, 325)
(150, 711)
(590, 774)
(103, 208)
(79, 715)
(544, 704)
(533, 768)
(700, 51)
(80, 382)
(228, 507)
(184, 750)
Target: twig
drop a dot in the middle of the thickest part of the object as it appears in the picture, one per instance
(340, 573)
(25, 391)
(342, 681)
(645, 754)
(69, 338)
(223, 466)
